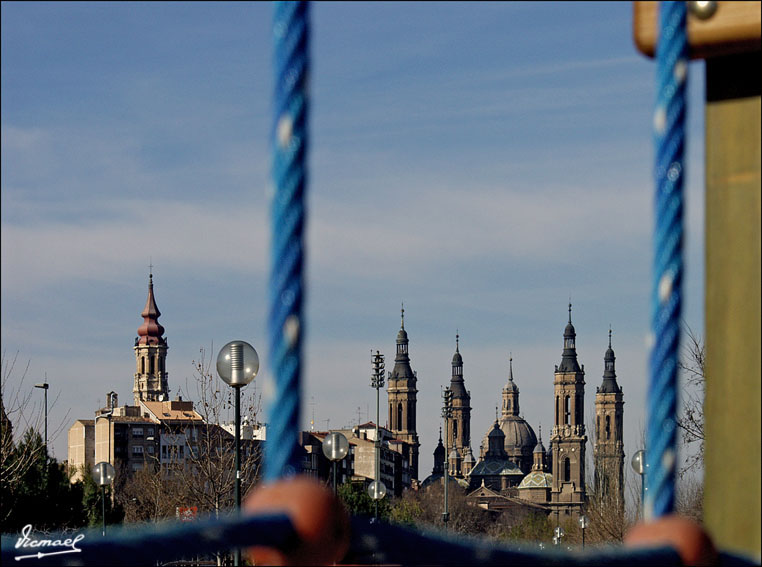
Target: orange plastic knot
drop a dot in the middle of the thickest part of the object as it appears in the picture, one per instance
(318, 517)
(684, 535)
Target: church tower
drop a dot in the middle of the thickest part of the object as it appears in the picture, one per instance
(402, 399)
(568, 436)
(150, 354)
(609, 441)
(459, 432)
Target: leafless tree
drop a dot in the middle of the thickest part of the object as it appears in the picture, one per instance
(204, 477)
(16, 406)
(690, 418)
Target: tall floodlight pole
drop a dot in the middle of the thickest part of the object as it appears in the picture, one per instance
(377, 382)
(44, 386)
(237, 365)
(446, 414)
(638, 464)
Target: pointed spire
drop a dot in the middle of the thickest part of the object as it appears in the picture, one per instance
(569, 357)
(457, 341)
(151, 331)
(609, 384)
(510, 372)
(403, 314)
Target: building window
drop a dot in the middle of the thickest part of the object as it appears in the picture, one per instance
(567, 410)
(142, 364)
(149, 431)
(399, 416)
(558, 410)
(137, 467)
(137, 450)
(150, 449)
(455, 432)
(137, 432)
(567, 469)
(608, 427)
(164, 451)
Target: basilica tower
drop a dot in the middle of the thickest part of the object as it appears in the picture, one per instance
(402, 394)
(459, 431)
(150, 354)
(568, 436)
(609, 440)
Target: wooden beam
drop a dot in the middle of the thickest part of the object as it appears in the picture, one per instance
(733, 28)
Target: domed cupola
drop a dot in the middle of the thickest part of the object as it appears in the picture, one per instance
(609, 385)
(496, 442)
(151, 331)
(569, 357)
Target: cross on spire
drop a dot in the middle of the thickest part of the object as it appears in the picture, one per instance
(609, 335)
(403, 314)
(570, 309)
(457, 341)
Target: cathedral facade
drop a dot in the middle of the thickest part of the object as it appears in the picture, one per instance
(513, 462)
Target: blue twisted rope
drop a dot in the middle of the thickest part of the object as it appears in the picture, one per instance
(372, 543)
(289, 140)
(666, 296)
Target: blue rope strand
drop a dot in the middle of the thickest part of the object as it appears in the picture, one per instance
(666, 296)
(286, 324)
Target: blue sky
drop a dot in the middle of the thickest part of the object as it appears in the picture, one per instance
(482, 162)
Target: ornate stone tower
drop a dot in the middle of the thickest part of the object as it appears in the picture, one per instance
(609, 440)
(510, 394)
(459, 432)
(568, 436)
(150, 354)
(401, 393)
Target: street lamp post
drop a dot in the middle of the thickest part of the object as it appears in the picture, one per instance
(44, 386)
(558, 535)
(583, 524)
(335, 448)
(638, 464)
(377, 382)
(103, 474)
(237, 365)
(446, 414)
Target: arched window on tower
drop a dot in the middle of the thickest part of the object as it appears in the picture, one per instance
(567, 469)
(598, 427)
(567, 410)
(508, 405)
(393, 425)
(578, 409)
(150, 365)
(399, 416)
(558, 410)
(455, 431)
(608, 427)
(142, 364)
(411, 418)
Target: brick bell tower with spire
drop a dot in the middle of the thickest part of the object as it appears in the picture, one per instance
(609, 438)
(150, 354)
(402, 393)
(568, 437)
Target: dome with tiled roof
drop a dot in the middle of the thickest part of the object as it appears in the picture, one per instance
(537, 479)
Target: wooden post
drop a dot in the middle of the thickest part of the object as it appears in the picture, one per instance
(732, 303)
(730, 42)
